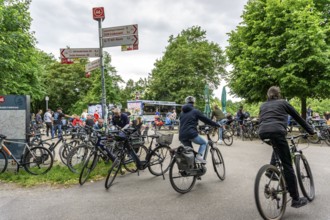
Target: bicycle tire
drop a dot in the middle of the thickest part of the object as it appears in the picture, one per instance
(305, 177)
(89, 165)
(76, 158)
(113, 171)
(218, 163)
(227, 138)
(38, 160)
(214, 134)
(266, 189)
(159, 160)
(4, 163)
(314, 139)
(65, 149)
(175, 173)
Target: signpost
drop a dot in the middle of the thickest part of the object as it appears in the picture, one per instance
(120, 31)
(92, 65)
(124, 36)
(121, 40)
(129, 47)
(79, 52)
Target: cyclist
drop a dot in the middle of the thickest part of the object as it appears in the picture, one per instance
(220, 118)
(188, 127)
(273, 125)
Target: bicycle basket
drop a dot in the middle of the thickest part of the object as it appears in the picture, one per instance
(165, 139)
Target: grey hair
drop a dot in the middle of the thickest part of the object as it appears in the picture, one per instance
(274, 92)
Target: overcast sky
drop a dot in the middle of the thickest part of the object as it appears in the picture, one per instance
(62, 23)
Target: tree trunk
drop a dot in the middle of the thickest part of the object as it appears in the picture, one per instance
(303, 107)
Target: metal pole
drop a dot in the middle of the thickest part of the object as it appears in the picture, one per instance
(102, 74)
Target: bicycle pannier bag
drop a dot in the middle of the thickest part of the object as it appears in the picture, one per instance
(185, 157)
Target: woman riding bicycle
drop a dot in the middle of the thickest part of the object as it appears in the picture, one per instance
(273, 126)
(188, 127)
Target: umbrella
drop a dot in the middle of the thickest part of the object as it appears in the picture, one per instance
(224, 99)
(207, 109)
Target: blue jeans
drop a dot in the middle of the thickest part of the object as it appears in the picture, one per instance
(55, 128)
(221, 123)
(199, 140)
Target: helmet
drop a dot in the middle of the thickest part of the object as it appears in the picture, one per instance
(190, 99)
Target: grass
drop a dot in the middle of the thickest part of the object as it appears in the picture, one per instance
(59, 175)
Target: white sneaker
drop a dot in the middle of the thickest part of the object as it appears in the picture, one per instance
(199, 159)
(220, 142)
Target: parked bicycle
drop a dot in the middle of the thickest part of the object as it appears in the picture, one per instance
(184, 171)
(270, 189)
(36, 160)
(156, 160)
(322, 134)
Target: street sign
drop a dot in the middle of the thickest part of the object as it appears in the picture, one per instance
(66, 61)
(79, 52)
(120, 31)
(122, 40)
(98, 13)
(92, 65)
(129, 47)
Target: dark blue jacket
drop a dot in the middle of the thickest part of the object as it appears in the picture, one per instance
(189, 122)
(120, 121)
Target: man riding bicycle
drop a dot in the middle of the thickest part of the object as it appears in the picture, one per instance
(188, 127)
(273, 126)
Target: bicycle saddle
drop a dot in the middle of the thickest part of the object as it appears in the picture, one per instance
(2, 136)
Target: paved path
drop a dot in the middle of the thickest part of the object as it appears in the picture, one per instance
(148, 197)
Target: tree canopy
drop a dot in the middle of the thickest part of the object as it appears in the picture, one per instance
(188, 64)
(283, 43)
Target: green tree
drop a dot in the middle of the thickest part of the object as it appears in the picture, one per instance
(283, 43)
(18, 56)
(189, 63)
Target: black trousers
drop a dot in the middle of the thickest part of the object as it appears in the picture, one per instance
(49, 126)
(280, 145)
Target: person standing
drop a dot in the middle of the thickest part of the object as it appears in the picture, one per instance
(96, 115)
(48, 119)
(39, 117)
(120, 119)
(273, 126)
(58, 116)
(220, 119)
(84, 115)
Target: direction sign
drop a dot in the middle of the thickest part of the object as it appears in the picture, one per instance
(98, 13)
(92, 65)
(121, 40)
(79, 52)
(129, 47)
(120, 30)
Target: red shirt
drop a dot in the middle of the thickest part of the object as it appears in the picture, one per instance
(77, 122)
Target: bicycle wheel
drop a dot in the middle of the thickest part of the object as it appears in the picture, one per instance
(129, 163)
(181, 181)
(214, 134)
(65, 149)
(314, 139)
(227, 138)
(218, 163)
(38, 160)
(3, 161)
(77, 157)
(89, 165)
(270, 192)
(305, 177)
(114, 169)
(159, 160)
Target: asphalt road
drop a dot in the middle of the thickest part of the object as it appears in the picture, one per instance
(148, 197)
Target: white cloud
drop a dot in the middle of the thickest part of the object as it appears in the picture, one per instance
(62, 23)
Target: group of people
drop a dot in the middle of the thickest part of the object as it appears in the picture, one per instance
(272, 126)
(55, 121)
